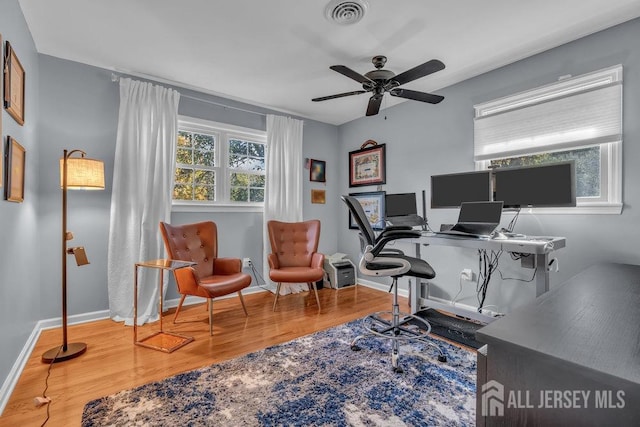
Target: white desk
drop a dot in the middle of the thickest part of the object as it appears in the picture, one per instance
(540, 246)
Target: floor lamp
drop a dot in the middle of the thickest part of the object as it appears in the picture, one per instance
(76, 173)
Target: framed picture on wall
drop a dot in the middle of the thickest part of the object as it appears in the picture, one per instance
(318, 196)
(14, 187)
(373, 205)
(13, 85)
(367, 166)
(317, 170)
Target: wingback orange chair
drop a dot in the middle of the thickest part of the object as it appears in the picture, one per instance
(211, 277)
(294, 256)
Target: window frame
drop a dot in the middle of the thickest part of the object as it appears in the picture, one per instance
(223, 132)
(610, 200)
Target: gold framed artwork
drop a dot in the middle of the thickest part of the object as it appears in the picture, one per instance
(14, 187)
(367, 166)
(318, 196)
(13, 85)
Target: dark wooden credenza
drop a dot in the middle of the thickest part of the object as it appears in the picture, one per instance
(571, 357)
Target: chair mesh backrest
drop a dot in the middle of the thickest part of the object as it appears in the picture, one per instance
(294, 243)
(196, 242)
(361, 219)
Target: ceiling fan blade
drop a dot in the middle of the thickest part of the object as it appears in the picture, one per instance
(416, 96)
(374, 105)
(418, 72)
(346, 71)
(339, 95)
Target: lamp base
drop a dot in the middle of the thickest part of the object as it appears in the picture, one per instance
(55, 355)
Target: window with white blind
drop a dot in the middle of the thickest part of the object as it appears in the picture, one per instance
(577, 118)
(218, 167)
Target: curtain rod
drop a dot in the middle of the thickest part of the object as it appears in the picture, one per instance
(115, 78)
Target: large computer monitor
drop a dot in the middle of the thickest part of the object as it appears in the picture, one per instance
(402, 204)
(450, 190)
(551, 185)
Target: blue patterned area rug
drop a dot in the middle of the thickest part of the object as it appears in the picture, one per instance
(315, 380)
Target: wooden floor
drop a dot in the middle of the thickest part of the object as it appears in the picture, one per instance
(112, 363)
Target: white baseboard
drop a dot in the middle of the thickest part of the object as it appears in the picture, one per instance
(16, 370)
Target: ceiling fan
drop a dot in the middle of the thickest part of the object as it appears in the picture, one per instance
(379, 81)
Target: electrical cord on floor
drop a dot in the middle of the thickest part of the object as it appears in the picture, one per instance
(46, 386)
(256, 275)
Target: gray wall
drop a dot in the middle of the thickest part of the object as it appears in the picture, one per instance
(75, 106)
(20, 287)
(424, 140)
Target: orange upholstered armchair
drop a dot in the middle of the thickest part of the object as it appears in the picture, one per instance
(211, 277)
(294, 257)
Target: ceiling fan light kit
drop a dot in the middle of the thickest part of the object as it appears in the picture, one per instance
(380, 81)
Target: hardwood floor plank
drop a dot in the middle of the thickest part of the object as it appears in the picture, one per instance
(113, 363)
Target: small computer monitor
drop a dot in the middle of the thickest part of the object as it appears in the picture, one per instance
(402, 204)
(550, 185)
(450, 190)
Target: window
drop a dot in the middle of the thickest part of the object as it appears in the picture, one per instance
(218, 165)
(578, 118)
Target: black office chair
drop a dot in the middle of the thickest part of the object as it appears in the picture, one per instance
(380, 262)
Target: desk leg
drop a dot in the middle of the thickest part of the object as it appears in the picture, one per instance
(161, 284)
(542, 274)
(135, 304)
(415, 288)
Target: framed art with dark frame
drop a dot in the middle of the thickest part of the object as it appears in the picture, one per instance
(373, 205)
(13, 85)
(317, 170)
(14, 186)
(367, 166)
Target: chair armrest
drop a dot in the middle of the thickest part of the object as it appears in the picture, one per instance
(396, 227)
(393, 235)
(317, 260)
(186, 280)
(273, 261)
(226, 266)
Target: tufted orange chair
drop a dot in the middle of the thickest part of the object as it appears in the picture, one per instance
(294, 257)
(211, 277)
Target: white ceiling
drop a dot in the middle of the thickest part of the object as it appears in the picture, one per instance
(277, 53)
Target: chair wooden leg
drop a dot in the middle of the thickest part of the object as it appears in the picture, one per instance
(313, 285)
(210, 305)
(244, 307)
(277, 295)
(179, 307)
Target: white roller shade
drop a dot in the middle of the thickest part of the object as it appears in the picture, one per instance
(581, 111)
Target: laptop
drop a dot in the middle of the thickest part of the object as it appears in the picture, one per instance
(478, 219)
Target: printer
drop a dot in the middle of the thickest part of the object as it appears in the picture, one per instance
(339, 271)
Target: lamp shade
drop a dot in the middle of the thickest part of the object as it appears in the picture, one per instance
(83, 174)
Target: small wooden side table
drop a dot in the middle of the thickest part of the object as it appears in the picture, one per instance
(161, 340)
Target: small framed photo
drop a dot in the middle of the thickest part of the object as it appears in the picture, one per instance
(373, 205)
(367, 166)
(14, 187)
(317, 170)
(318, 196)
(13, 85)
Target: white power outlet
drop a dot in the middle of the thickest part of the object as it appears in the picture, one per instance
(466, 274)
(246, 262)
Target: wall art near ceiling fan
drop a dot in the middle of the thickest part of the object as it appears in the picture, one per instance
(367, 166)
(380, 81)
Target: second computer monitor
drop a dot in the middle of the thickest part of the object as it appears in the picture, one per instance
(402, 204)
(450, 190)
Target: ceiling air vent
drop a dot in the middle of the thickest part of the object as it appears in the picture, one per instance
(346, 12)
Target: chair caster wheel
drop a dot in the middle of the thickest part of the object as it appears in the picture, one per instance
(442, 358)
(355, 348)
(398, 370)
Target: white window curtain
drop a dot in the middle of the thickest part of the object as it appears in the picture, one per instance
(283, 190)
(141, 198)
